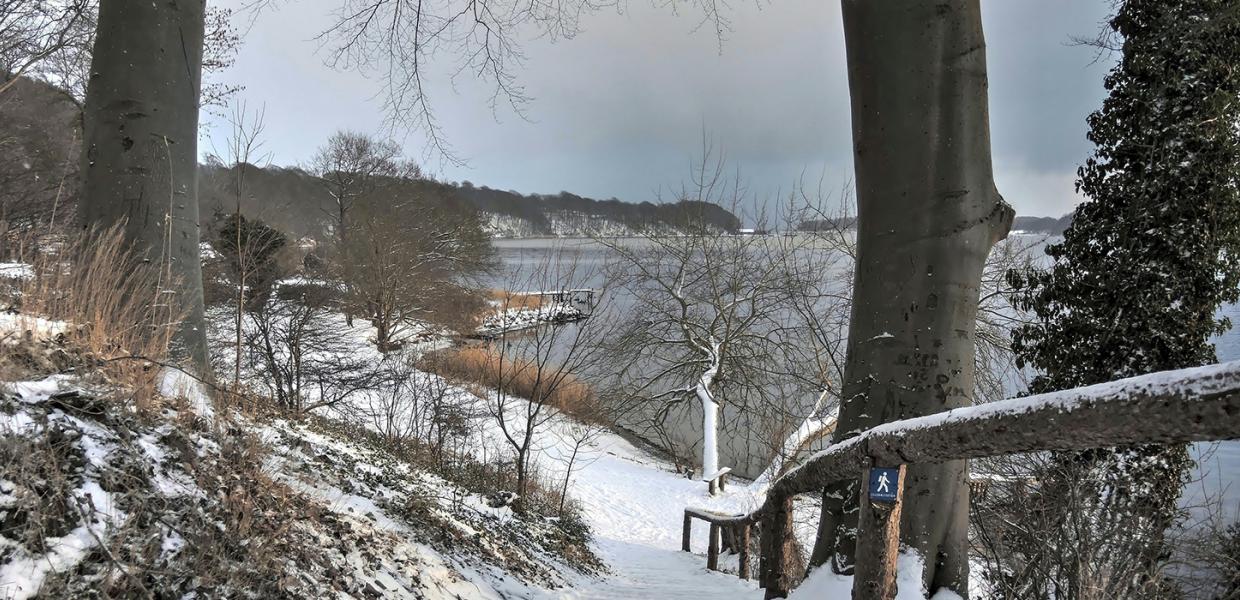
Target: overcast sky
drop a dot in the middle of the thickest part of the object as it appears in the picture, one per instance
(619, 110)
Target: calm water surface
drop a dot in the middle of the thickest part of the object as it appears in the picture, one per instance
(1218, 463)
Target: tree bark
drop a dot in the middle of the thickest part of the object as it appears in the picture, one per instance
(777, 564)
(140, 150)
(928, 213)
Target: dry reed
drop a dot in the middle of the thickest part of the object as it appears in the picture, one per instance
(119, 311)
(484, 365)
(509, 300)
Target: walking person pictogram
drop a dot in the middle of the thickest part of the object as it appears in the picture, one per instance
(884, 484)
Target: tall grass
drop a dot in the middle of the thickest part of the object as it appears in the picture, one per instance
(508, 300)
(119, 310)
(486, 366)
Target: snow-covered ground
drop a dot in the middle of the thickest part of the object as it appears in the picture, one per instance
(87, 480)
(632, 500)
(635, 505)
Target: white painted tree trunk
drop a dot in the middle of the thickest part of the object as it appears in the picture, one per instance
(710, 424)
(710, 412)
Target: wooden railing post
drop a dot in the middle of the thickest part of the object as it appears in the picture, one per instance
(744, 560)
(716, 482)
(712, 549)
(878, 533)
(684, 539)
(776, 539)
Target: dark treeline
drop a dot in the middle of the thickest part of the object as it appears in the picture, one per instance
(39, 141)
(1046, 225)
(538, 209)
(295, 201)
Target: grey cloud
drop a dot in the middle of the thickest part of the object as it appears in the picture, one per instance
(619, 109)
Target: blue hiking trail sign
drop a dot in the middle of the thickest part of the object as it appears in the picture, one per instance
(884, 484)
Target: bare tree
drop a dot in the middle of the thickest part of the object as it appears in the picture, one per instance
(250, 249)
(32, 31)
(577, 435)
(818, 272)
(702, 304)
(397, 39)
(400, 42)
(542, 364)
(353, 165)
(997, 374)
(710, 314)
(301, 355)
(410, 264)
(63, 57)
(411, 405)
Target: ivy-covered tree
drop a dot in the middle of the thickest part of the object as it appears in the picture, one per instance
(250, 266)
(1135, 287)
(251, 252)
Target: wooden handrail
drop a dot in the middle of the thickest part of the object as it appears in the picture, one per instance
(1185, 405)
(719, 522)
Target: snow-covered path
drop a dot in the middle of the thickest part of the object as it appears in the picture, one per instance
(643, 572)
(635, 506)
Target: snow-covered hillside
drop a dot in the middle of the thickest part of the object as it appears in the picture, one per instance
(97, 498)
(558, 224)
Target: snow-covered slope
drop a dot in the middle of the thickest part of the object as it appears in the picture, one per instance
(634, 504)
(562, 223)
(94, 497)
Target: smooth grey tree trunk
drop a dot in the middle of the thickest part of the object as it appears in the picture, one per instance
(928, 214)
(140, 150)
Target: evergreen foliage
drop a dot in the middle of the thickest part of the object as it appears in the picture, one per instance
(1136, 284)
(250, 256)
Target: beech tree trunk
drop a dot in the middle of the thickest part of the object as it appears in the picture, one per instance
(140, 150)
(928, 214)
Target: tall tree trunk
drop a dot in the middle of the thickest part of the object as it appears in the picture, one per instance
(140, 150)
(928, 214)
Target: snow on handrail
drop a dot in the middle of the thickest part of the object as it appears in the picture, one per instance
(1185, 405)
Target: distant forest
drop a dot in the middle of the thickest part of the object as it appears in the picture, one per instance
(1047, 225)
(293, 200)
(538, 208)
